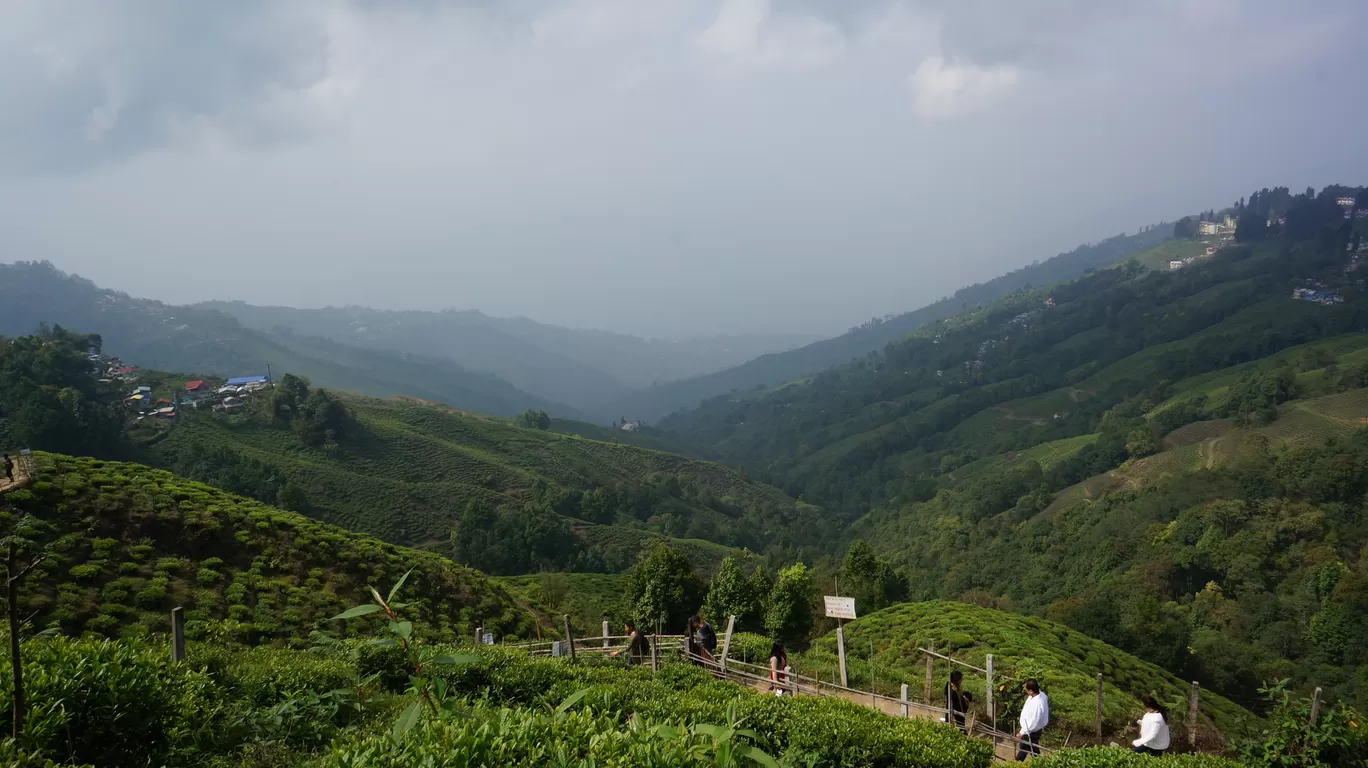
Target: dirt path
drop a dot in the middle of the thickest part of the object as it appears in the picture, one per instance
(21, 476)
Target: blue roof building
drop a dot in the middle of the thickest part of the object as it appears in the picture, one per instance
(240, 380)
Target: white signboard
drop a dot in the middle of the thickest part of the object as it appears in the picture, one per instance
(488, 638)
(839, 607)
(556, 649)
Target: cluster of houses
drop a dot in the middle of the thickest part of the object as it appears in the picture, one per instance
(1317, 295)
(1208, 253)
(1224, 227)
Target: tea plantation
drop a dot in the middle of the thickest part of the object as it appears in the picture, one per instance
(127, 543)
(410, 471)
(1065, 661)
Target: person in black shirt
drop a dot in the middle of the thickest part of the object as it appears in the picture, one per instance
(703, 638)
(9, 468)
(956, 700)
(637, 645)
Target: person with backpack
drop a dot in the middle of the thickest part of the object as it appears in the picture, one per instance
(1154, 730)
(637, 645)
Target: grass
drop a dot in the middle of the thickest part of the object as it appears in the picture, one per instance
(589, 598)
(130, 542)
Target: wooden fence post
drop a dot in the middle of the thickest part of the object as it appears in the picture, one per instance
(605, 633)
(926, 694)
(570, 638)
(840, 655)
(1315, 705)
(902, 697)
(655, 649)
(1192, 715)
(990, 691)
(726, 640)
(177, 633)
(1099, 705)
(479, 635)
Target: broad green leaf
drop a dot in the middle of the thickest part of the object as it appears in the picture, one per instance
(384, 642)
(572, 699)
(757, 754)
(394, 590)
(407, 719)
(379, 600)
(713, 731)
(448, 658)
(403, 629)
(748, 733)
(360, 610)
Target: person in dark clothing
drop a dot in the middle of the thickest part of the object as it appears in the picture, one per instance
(778, 667)
(702, 638)
(956, 700)
(9, 468)
(637, 644)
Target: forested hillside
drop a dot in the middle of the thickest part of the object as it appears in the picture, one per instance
(768, 370)
(502, 498)
(155, 335)
(589, 370)
(1167, 460)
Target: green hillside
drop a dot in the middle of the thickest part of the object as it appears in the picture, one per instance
(1065, 661)
(151, 334)
(1165, 460)
(517, 500)
(128, 543)
(656, 402)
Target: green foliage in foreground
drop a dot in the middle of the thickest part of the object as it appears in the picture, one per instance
(1110, 757)
(131, 542)
(268, 706)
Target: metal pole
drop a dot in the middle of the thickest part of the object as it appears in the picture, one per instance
(902, 697)
(605, 633)
(989, 700)
(840, 655)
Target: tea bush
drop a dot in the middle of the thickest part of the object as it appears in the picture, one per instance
(1110, 757)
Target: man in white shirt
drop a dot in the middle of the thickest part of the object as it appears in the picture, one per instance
(1035, 715)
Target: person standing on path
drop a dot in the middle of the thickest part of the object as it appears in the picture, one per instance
(637, 646)
(9, 468)
(956, 700)
(1154, 730)
(778, 667)
(704, 637)
(1035, 715)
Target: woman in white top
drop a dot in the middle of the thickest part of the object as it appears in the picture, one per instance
(1154, 730)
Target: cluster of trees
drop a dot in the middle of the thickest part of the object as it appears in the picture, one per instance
(50, 398)
(519, 538)
(315, 414)
(786, 604)
(531, 419)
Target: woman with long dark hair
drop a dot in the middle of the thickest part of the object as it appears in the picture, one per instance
(1154, 730)
(778, 667)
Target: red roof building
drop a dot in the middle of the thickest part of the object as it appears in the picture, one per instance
(192, 386)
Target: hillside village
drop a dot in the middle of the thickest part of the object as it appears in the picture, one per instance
(158, 396)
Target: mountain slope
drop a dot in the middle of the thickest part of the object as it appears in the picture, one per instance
(586, 369)
(130, 542)
(518, 500)
(775, 368)
(156, 335)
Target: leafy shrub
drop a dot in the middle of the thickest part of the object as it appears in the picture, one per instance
(1109, 757)
(87, 571)
(111, 703)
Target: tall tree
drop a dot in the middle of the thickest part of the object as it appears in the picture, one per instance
(788, 611)
(871, 581)
(731, 594)
(662, 583)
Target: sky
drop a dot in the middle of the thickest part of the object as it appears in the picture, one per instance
(663, 168)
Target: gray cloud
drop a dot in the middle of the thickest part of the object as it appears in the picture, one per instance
(679, 166)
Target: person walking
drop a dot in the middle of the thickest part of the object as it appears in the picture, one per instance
(778, 667)
(9, 468)
(703, 636)
(1154, 730)
(637, 646)
(1035, 715)
(956, 700)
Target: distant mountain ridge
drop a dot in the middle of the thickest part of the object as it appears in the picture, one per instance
(588, 369)
(152, 334)
(769, 370)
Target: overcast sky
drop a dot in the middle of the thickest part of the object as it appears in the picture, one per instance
(650, 166)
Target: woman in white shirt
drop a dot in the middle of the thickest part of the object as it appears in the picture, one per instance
(1154, 730)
